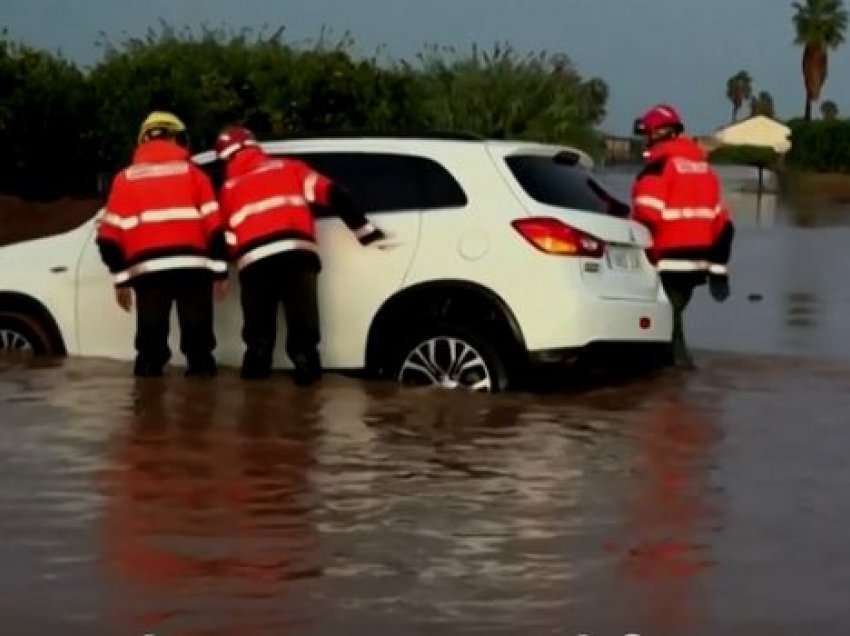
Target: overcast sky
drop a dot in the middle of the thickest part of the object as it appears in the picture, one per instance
(679, 51)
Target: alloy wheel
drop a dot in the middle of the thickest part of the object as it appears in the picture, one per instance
(15, 341)
(446, 362)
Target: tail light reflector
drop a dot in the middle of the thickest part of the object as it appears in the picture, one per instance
(553, 236)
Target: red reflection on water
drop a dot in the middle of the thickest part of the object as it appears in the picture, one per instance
(666, 551)
(204, 510)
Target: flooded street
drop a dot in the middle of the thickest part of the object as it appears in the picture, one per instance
(789, 267)
(672, 504)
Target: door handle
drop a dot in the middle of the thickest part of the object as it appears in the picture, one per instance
(386, 246)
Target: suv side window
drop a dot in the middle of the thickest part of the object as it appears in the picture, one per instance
(386, 182)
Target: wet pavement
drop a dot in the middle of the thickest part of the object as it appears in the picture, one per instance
(667, 504)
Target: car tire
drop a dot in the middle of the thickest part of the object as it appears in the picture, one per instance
(452, 357)
(22, 334)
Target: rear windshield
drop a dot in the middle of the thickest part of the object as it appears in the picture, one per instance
(558, 181)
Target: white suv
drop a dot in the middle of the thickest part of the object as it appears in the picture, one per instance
(501, 254)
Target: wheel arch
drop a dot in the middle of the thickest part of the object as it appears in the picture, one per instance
(16, 302)
(446, 299)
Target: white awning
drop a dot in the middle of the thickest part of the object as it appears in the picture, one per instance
(757, 131)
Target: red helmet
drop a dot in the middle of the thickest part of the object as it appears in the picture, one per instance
(232, 140)
(661, 116)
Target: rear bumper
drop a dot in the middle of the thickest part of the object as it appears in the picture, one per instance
(620, 353)
(591, 322)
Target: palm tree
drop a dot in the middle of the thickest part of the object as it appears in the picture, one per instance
(820, 26)
(762, 105)
(829, 110)
(739, 88)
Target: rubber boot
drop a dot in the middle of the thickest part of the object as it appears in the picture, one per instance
(144, 368)
(256, 366)
(308, 369)
(681, 356)
(204, 367)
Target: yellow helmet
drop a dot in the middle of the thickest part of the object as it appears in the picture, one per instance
(161, 120)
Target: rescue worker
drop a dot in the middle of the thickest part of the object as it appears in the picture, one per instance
(678, 197)
(266, 204)
(161, 236)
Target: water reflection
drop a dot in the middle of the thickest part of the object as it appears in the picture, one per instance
(750, 210)
(208, 508)
(280, 502)
(177, 507)
(802, 310)
(670, 519)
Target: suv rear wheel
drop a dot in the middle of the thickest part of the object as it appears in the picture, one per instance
(451, 357)
(23, 335)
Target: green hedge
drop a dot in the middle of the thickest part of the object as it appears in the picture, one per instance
(745, 156)
(820, 146)
(61, 127)
(46, 124)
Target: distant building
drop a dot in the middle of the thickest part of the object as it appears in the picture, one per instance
(622, 149)
(630, 149)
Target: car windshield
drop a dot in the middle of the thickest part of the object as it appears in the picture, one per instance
(558, 181)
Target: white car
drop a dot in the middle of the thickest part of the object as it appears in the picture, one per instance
(500, 255)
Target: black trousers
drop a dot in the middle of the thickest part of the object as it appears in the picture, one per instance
(679, 288)
(290, 279)
(191, 291)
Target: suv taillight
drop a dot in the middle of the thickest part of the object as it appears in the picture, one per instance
(556, 237)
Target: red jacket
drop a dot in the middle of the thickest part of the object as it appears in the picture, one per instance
(678, 197)
(161, 215)
(266, 206)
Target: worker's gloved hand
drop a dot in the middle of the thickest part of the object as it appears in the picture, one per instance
(124, 298)
(372, 236)
(719, 287)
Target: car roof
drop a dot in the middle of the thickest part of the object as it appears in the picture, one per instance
(408, 142)
(507, 148)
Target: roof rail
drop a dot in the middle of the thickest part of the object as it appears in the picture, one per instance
(406, 134)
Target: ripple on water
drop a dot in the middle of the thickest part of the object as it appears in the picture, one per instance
(173, 506)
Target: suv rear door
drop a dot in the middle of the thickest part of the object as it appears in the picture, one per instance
(392, 189)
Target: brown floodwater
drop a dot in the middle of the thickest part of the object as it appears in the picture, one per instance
(666, 503)
(704, 503)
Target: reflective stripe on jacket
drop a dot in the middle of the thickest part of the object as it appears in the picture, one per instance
(161, 214)
(266, 203)
(678, 197)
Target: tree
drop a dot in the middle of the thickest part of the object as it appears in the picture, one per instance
(45, 112)
(739, 88)
(820, 26)
(214, 77)
(762, 105)
(829, 110)
(501, 93)
(592, 98)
